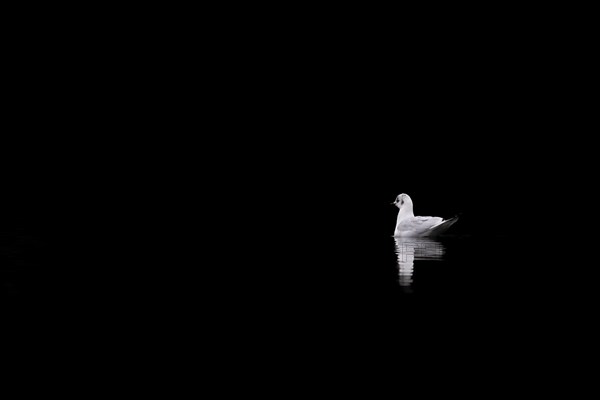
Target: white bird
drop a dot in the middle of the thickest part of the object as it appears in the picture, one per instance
(407, 225)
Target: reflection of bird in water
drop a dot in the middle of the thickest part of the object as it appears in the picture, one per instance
(413, 249)
(407, 225)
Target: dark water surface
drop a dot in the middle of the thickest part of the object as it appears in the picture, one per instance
(336, 288)
(457, 266)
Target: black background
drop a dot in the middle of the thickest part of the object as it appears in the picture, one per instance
(314, 142)
(244, 185)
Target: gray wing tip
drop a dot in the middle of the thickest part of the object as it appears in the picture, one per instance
(442, 227)
(453, 219)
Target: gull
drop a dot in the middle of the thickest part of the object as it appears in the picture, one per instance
(407, 225)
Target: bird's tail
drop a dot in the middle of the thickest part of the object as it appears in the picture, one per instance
(442, 227)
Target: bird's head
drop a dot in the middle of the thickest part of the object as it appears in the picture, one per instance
(402, 201)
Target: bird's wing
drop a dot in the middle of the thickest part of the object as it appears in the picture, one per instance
(418, 225)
